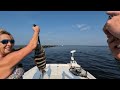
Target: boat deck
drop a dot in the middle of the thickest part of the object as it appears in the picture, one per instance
(54, 71)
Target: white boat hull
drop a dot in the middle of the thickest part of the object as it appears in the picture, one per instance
(54, 71)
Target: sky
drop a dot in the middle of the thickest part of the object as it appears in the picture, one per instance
(56, 27)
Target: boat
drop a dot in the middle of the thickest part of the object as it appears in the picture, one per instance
(71, 70)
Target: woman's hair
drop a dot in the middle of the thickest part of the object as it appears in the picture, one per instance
(2, 31)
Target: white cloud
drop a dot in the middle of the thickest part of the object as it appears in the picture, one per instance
(81, 27)
(85, 28)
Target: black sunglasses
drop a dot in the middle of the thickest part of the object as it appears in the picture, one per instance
(6, 41)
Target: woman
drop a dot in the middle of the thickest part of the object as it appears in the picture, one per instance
(10, 58)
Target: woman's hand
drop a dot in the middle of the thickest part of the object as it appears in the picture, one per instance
(36, 28)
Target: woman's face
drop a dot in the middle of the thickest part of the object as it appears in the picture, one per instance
(5, 44)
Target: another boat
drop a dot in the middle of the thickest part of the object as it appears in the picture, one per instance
(70, 70)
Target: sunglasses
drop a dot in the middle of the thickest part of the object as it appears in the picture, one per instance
(6, 41)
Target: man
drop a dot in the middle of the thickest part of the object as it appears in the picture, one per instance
(112, 31)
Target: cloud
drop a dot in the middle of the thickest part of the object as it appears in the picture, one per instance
(85, 28)
(81, 27)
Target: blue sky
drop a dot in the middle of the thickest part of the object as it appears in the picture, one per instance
(57, 27)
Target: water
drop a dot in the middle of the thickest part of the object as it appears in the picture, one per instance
(98, 60)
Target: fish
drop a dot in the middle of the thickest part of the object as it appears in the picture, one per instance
(40, 56)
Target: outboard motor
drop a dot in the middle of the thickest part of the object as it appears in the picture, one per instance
(72, 61)
(75, 68)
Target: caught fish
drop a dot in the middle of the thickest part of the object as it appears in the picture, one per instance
(39, 56)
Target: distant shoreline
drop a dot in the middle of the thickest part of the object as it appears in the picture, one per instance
(18, 47)
(47, 46)
(44, 46)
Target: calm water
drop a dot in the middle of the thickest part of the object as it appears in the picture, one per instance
(95, 59)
